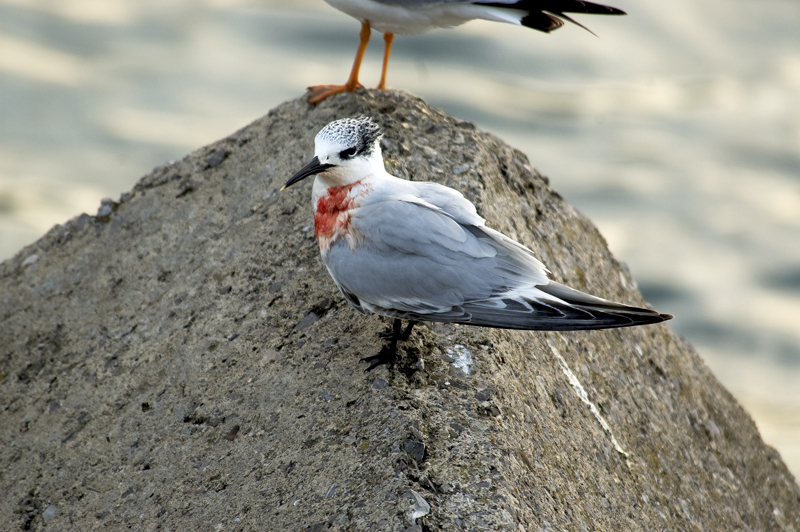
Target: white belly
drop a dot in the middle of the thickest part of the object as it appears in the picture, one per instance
(418, 17)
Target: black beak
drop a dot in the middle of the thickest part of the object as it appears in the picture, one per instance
(312, 168)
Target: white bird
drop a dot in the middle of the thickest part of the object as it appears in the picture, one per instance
(406, 17)
(419, 251)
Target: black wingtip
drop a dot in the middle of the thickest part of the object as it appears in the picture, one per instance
(620, 315)
(545, 16)
(541, 21)
(589, 8)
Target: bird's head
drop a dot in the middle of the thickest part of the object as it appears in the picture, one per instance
(346, 151)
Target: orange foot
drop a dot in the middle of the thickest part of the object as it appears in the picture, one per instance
(320, 92)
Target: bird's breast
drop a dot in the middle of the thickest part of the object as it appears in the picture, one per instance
(407, 18)
(332, 213)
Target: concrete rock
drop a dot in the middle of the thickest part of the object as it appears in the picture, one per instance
(182, 361)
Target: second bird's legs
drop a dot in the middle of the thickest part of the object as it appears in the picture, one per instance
(388, 353)
(320, 92)
(388, 38)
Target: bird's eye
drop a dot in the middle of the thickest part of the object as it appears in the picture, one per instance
(346, 154)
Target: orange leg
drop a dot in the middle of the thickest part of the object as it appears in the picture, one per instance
(320, 92)
(388, 37)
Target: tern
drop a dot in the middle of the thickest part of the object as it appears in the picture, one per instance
(419, 251)
(406, 17)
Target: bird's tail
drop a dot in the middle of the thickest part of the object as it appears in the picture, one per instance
(546, 15)
(555, 307)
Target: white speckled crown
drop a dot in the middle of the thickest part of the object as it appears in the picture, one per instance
(360, 133)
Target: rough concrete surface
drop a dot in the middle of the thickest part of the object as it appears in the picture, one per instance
(182, 361)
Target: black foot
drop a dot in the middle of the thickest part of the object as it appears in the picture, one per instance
(388, 354)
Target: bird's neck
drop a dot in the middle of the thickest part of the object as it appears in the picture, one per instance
(333, 208)
(337, 192)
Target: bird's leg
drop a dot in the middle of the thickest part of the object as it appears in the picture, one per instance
(403, 336)
(320, 92)
(388, 353)
(388, 38)
(407, 333)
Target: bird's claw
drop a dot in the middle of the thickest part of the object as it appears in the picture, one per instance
(385, 356)
(320, 92)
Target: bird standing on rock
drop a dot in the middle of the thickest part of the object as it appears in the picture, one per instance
(406, 17)
(419, 251)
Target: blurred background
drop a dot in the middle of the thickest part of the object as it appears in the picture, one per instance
(676, 130)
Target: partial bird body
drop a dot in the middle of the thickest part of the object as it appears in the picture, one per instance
(420, 251)
(417, 16)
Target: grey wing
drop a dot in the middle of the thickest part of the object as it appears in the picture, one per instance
(426, 255)
(542, 15)
(554, 6)
(420, 3)
(417, 257)
(518, 4)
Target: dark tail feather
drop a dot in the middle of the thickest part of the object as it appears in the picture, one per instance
(620, 315)
(543, 14)
(559, 6)
(572, 311)
(565, 17)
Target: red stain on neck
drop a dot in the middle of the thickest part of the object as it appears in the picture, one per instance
(330, 214)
